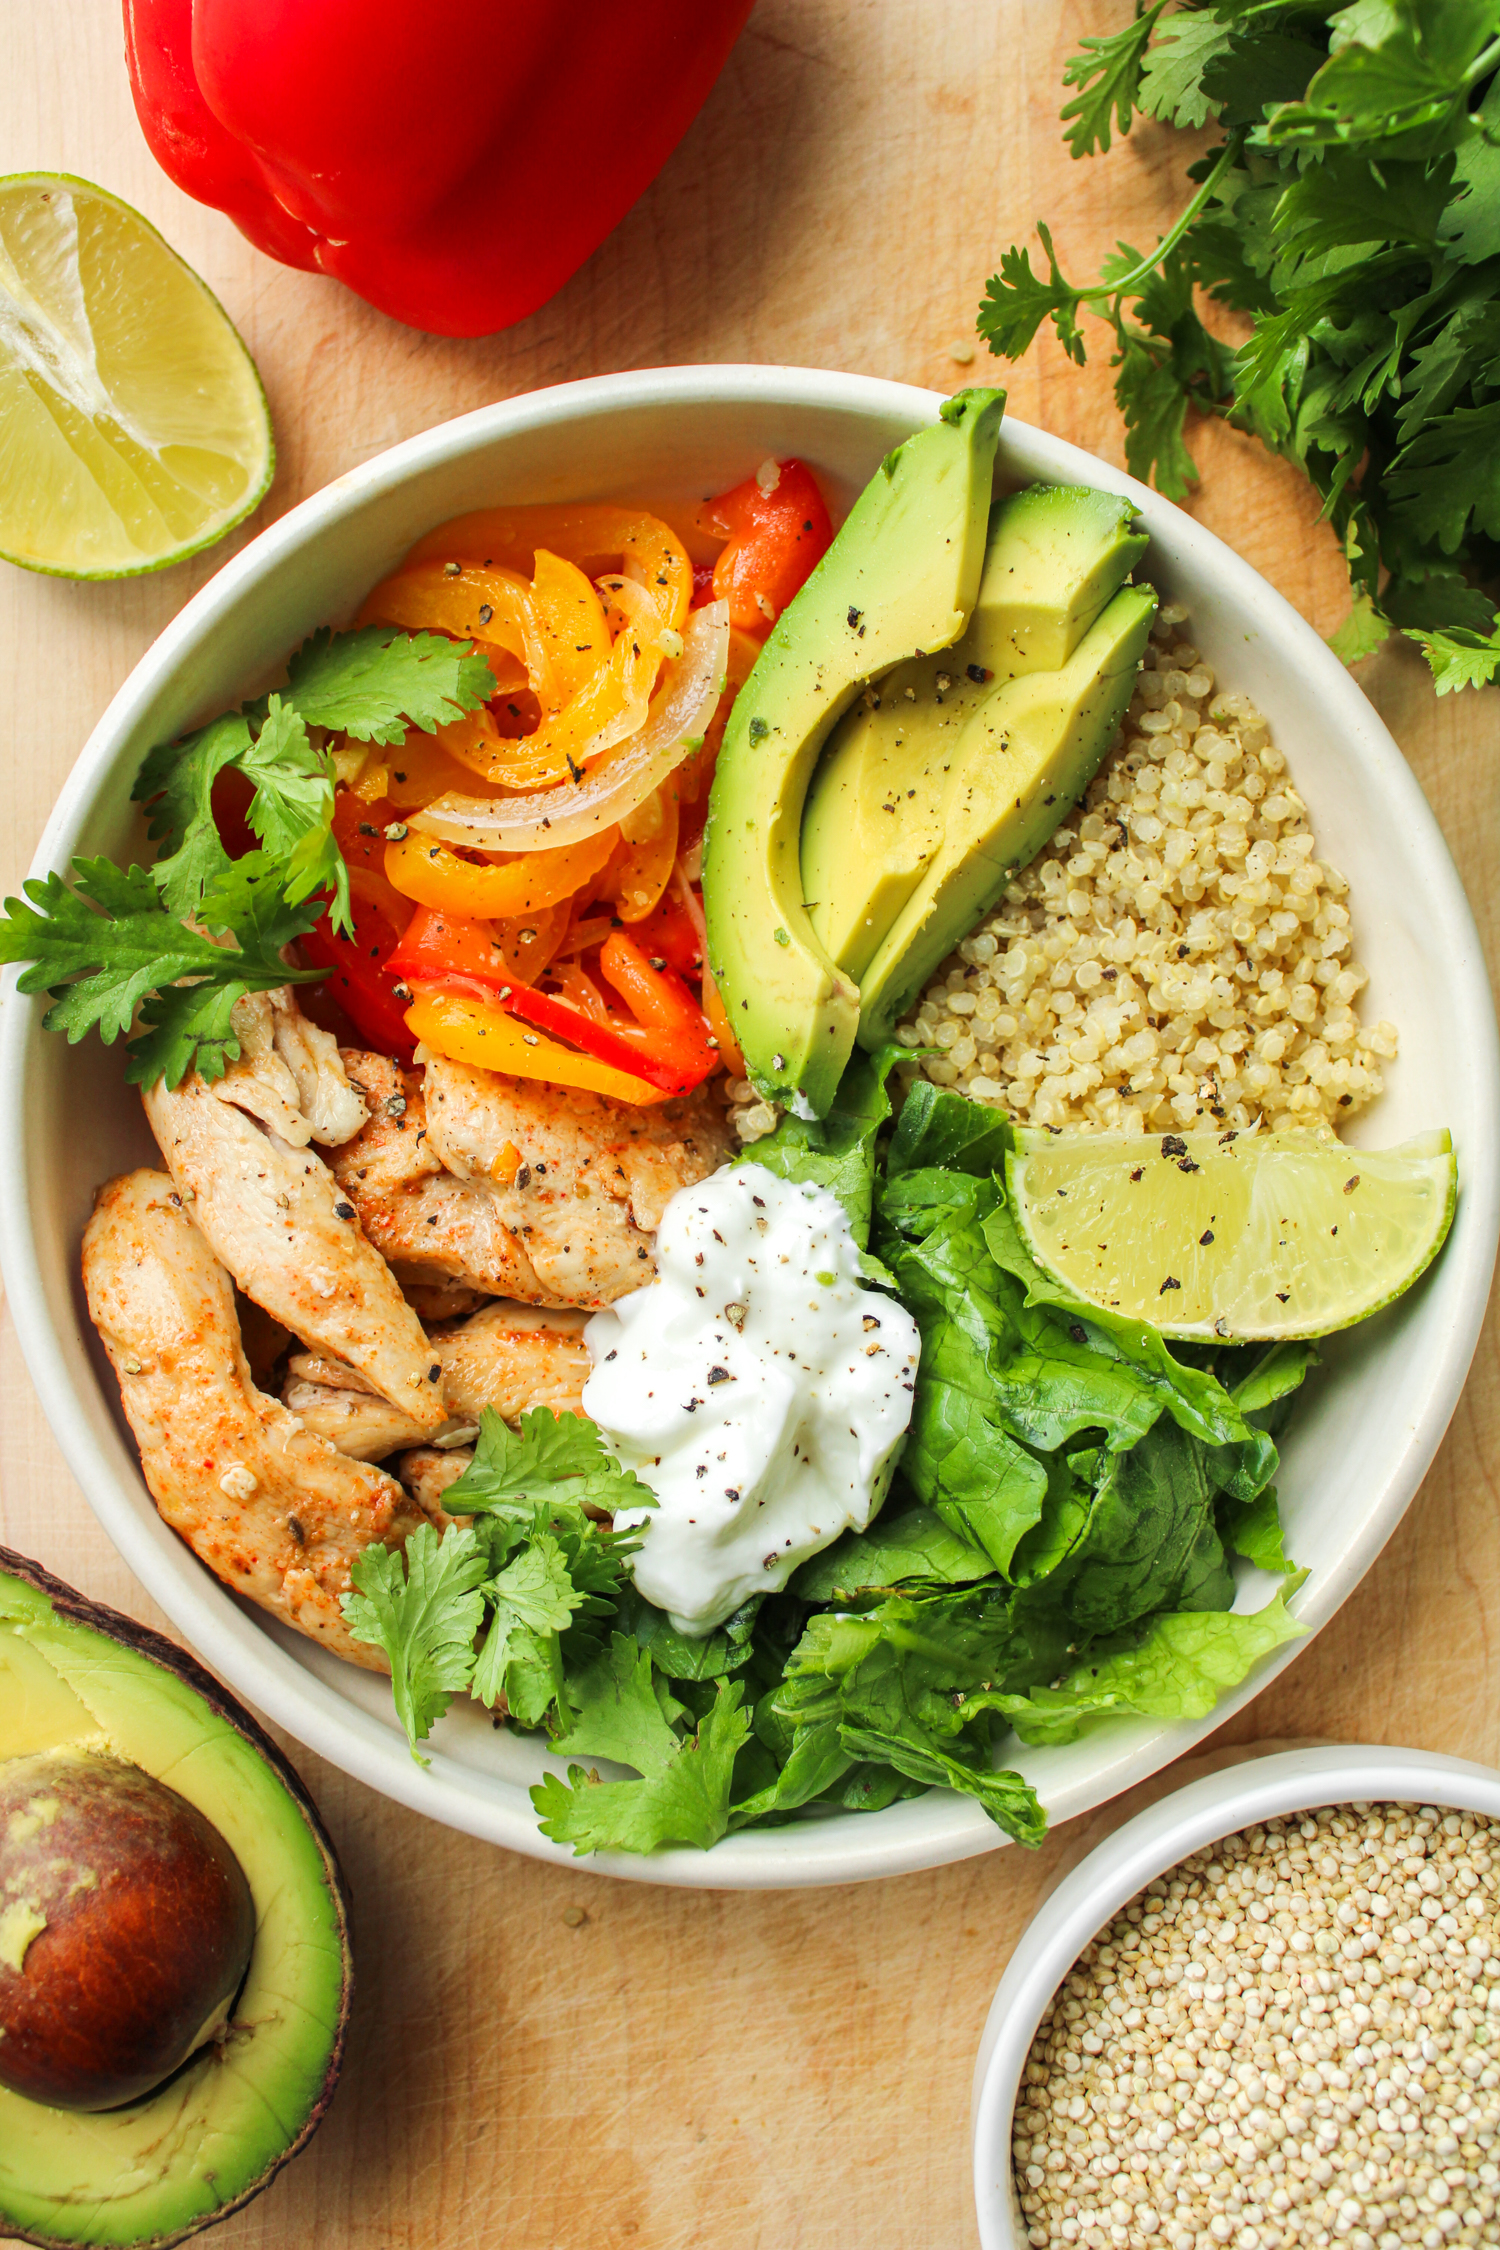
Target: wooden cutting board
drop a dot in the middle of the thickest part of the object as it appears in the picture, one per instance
(541, 2059)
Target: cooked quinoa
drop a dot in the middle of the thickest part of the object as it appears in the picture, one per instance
(1177, 955)
(1292, 2037)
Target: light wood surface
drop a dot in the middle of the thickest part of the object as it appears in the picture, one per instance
(539, 2057)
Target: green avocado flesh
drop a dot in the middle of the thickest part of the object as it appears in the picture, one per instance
(1019, 765)
(901, 577)
(163, 2166)
(878, 806)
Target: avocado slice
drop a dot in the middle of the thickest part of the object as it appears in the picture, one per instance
(875, 810)
(206, 2141)
(1025, 756)
(900, 577)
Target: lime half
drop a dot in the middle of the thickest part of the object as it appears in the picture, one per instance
(133, 426)
(1241, 1236)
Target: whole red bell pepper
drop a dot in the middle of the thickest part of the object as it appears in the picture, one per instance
(454, 165)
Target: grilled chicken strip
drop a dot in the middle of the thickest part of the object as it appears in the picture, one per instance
(275, 1217)
(535, 1192)
(272, 1510)
(427, 1474)
(289, 1073)
(435, 1231)
(509, 1357)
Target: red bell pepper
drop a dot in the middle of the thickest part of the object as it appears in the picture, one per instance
(453, 167)
(778, 532)
(372, 998)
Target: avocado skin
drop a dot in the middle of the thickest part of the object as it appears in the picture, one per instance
(1023, 760)
(68, 1609)
(876, 807)
(901, 576)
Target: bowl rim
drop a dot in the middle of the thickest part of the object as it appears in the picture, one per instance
(919, 1833)
(1240, 1796)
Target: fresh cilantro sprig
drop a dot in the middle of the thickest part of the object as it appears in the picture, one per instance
(174, 947)
(110, 946)
(371, 685)
(1352, 212)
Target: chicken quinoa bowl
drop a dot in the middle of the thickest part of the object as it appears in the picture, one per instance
(747, 1098)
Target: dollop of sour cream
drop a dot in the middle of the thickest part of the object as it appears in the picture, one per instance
(756, 1385)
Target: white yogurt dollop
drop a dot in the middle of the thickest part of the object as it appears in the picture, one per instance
(756, 1385)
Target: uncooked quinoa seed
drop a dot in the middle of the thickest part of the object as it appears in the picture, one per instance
(1176, 956)
(1292, 2037)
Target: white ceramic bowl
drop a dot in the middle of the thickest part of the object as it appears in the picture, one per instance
(1221, 1804)
(1371, 1419)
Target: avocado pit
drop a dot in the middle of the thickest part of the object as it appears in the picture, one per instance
(126, 1928)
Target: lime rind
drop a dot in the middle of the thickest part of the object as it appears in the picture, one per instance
(52, 361)
(1233, 1237)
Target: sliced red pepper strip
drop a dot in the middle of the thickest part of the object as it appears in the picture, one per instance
(661, 1058)
(776, 538)
(361, 981)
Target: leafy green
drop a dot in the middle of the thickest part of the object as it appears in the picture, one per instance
(683, 1794)
(423, 1608)
(837, 1151)
(913, 1543)
(559, 1458)
(1177, 1670)
(1352, 210)
(375, 683)
(116, 946)
(108, 948)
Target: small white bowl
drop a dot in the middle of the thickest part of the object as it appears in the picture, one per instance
(1221, 1804)
(1373, 1416)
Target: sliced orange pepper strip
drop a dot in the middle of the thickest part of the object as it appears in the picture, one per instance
(593, 534)
(643, 870)
(571, 616)
(429, 872)
(484, 1035)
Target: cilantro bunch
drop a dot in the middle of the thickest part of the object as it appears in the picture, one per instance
(170, 949)
(1352, 212)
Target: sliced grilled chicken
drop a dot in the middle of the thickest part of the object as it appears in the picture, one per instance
(509, 1357)
(274, 1215)
(580, 1182)
(439, 1234)
(289, 1073)
(427, 1473)
(272, 1510)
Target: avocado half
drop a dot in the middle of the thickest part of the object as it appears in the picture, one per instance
(216, 2133)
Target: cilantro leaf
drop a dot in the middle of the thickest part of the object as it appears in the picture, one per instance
(1154, 403)
(555, 1458)
(1171, 83)
(1108, 73)
(423, 1608)
(1017, 301)
(1459, 658)
(531, 1601)
(176, 784)
(104, 946)
(683, 1795)
(375, 683)
(1362, 632)
(1449, 475)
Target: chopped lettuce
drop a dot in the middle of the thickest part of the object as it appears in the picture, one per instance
(1178, 1669)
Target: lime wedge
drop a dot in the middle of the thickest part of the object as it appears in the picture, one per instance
(1241, 1236)
(133, 426)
